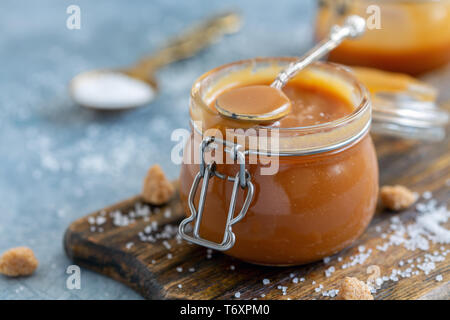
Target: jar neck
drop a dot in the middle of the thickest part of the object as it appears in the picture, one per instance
(306, 140)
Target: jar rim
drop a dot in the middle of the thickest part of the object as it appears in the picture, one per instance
(361, 107)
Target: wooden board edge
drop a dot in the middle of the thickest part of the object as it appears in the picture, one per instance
(107, 264)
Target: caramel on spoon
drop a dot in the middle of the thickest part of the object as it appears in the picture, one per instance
(261, 103)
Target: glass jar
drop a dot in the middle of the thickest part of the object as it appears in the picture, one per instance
(404, 36)
(319, 200)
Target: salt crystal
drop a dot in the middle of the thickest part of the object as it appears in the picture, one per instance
(439, 278)
(329, 271)
(167, 213)
(237, 295)
(167, 245)
(100, 220)
(266, 281)
(129, 245)
(378, 281)
(427, 195)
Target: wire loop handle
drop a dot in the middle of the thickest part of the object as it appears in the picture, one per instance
(207, 171)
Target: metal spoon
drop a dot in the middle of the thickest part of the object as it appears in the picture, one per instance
(131, 87)
(354, 26)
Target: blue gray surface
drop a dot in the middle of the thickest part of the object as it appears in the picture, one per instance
(59, 161)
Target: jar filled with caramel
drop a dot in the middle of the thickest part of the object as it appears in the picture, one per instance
(409, 36)
(283, 191)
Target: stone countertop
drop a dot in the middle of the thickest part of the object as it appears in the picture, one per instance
(59, 161)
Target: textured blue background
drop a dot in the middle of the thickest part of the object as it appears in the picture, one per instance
(58, 161)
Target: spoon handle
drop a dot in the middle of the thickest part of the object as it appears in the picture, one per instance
(192, 41)
(353, 27)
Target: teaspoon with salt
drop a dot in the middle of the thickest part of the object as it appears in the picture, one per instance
(136, 86)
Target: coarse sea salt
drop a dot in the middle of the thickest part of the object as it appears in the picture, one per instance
(330, 293)
(425, 229)
(359, 258)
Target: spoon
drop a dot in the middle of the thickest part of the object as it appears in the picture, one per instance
(118, 89)
(275, 104)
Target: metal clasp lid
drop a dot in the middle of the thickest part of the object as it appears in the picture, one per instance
(207, 171)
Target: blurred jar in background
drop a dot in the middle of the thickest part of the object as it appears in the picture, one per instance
(414, 36)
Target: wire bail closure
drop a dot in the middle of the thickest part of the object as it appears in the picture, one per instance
(208, 171)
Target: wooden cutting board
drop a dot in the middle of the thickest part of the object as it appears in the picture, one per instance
(188, 272)
(173, 269)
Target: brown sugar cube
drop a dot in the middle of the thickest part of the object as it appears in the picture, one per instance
(354, 289)
(157, 188)
(397, 197)
(18, 262)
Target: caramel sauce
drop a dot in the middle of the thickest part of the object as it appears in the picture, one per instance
(309, 105)
(312, 105)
